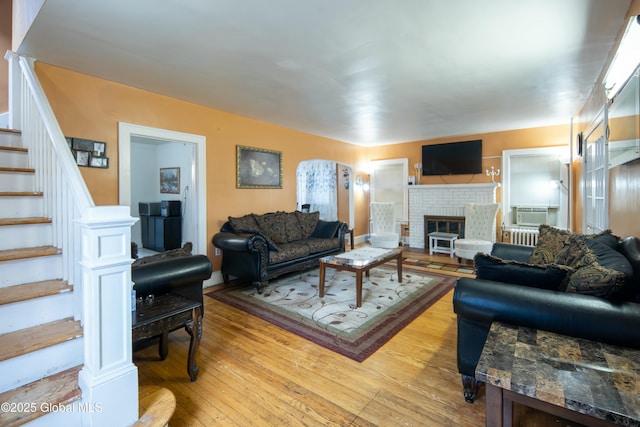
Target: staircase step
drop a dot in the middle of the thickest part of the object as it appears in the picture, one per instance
(27, 291)
(20, 193)
(59, 389)
(15, 204)
(25, 235)
(10, 138)
(29, 270)
(17, 179)
(17, 170)
(28, 340)
(14, 156)
(24, 221)
(22, 253)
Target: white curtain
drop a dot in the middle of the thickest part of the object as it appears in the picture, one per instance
(317, 185)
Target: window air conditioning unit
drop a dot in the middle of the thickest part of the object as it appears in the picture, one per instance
(532, 216)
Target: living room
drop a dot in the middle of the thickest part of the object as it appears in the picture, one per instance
(91, 107)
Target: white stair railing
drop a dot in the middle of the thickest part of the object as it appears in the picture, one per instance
(65, 194)
(96, 253)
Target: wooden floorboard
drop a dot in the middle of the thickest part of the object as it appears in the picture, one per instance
(253, 373)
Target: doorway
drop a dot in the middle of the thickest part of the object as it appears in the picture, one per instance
(143, 151)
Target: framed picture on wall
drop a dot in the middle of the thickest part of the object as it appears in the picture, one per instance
(258, 168)
(170, 180)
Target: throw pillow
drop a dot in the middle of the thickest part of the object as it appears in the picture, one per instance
(292, 227)
(326, 229)
(272, 225)
(308, 222)
(551, 276)
(244, 224)
(606, 238)
(575, 253)
(248, 224)
(550, 242)
(596, 280)
(614, 260)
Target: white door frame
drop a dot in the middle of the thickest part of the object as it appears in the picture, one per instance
(126, 131)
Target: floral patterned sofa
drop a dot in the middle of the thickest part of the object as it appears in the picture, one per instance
(258, 248)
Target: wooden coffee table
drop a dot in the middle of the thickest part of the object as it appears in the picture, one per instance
(164, 313)
(359, 261)
(588, 382)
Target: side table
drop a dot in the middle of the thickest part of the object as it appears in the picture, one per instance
(434, 242)
(588, 382)
(160, 315)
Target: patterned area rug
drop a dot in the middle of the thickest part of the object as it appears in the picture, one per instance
(334, 322)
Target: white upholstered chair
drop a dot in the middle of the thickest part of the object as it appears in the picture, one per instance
(479, 230)
(383, 234)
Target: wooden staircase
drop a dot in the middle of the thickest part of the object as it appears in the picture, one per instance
(41, 348)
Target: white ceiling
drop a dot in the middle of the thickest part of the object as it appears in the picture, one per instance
(360, 71)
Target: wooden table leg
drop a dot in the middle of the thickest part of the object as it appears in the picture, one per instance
(321, 284)
(359, 288)
(493, 407)
(164, 340)
(194, 328)
(399, 261)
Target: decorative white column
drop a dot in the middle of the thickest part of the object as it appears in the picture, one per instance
(15, 104)
(109, 379)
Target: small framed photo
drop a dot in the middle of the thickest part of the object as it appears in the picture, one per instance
(412, 180)
(99, 162)
(99, 149)
(82, 144)
(258, 168)
(170, 180)
(82, 158)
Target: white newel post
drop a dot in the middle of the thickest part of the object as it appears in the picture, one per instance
(109, 379)
(14, 90)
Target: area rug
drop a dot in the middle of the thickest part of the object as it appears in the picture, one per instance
(333, 321)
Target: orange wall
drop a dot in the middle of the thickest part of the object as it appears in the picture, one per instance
(89, 107)
(492, 146)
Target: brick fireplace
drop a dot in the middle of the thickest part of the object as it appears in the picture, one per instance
(442, 201)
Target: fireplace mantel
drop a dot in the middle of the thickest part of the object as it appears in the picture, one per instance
(443, 200)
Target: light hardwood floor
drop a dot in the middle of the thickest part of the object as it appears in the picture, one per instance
(253, 373)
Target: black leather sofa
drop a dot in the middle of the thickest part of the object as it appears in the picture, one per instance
(479, 302)
(182, 275)
(258, 248)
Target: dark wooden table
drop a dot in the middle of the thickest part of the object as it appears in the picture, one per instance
(361, 262)
(588, 382)
(164, 313)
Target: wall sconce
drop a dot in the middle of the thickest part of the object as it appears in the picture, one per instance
(362, 183)
(418, 168)
(493, 173)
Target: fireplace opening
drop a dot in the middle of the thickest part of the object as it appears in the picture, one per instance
(442, 224)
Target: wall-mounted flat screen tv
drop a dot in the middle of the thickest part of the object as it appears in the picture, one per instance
(454, 158)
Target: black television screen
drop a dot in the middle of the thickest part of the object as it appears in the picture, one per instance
(455, 158)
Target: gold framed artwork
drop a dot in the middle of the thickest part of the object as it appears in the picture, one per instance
(170, 180)
(258, 168)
